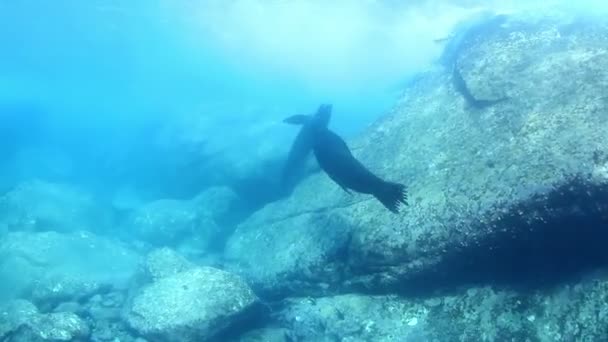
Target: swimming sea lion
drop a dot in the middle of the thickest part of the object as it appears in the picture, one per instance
(302, 145)
(335, 158)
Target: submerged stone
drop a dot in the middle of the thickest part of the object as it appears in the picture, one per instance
(20, 321)
(162, 263)
(54, 267)
(193, 305)
(43, 206)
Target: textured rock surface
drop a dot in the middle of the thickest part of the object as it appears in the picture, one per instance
(56, 267)
(164, 262)
(52, 289)
(193, 305)
(20, 321)
(305, 253)
(265, 335)
(164, 222)
(516, 190)
(14, 314)
(42, 206)
(192, 225)
(216, 201)
(568, 313)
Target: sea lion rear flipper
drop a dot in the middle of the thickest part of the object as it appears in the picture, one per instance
(297, 119)
(391, 195)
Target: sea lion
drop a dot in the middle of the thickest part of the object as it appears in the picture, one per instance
(302, 145)
(335, 158)
(461, 86)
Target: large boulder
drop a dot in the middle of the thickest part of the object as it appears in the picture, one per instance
(42, 206)
(514, 191)
(51, 268)
(193, 305)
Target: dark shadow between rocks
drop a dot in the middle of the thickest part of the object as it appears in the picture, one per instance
(546, 240)
(259, 316)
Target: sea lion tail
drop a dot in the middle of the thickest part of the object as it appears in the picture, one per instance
(391, 194)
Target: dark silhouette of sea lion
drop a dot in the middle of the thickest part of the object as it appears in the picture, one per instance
(303, 144)
(335, 158)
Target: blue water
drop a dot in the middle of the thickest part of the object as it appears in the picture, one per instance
(115, 69)
(131, 102)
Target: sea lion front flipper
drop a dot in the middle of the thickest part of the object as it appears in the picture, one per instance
(297, 119)
(341, 185)
(345, 189)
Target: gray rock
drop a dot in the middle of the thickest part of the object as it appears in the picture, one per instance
(217, 202)
(14, 314)
(106, 307)
(164, 262)
(569, 313)
(303, 253)
(43, 206)
(193, 305)
(265, 335)
(112, 331)
(72, 307)
(170, 222)
(56, 267)
(517, 186)
(53, 289)
(164, 222)
(20, 321)
(60, 326)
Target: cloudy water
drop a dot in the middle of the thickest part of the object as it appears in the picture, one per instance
(249, 170)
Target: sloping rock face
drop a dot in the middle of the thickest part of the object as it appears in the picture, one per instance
(510, 192)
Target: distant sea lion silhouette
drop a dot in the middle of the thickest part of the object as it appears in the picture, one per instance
(303, 144)
(336, 160)
(461, 86)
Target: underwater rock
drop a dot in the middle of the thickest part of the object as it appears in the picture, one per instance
(72, 307)
(299, 254)
(164, 262)
(567, 313)
(14, 314)
(42, 206)
(354, 318)
(105, 307)
(20, 321)
(53, 289)
(509, 194)
(266, 335)
(112, 331)
(217, 202)
(172, 222)
(54, 267)
(60, 326)
(193, 305)
(164, 222)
